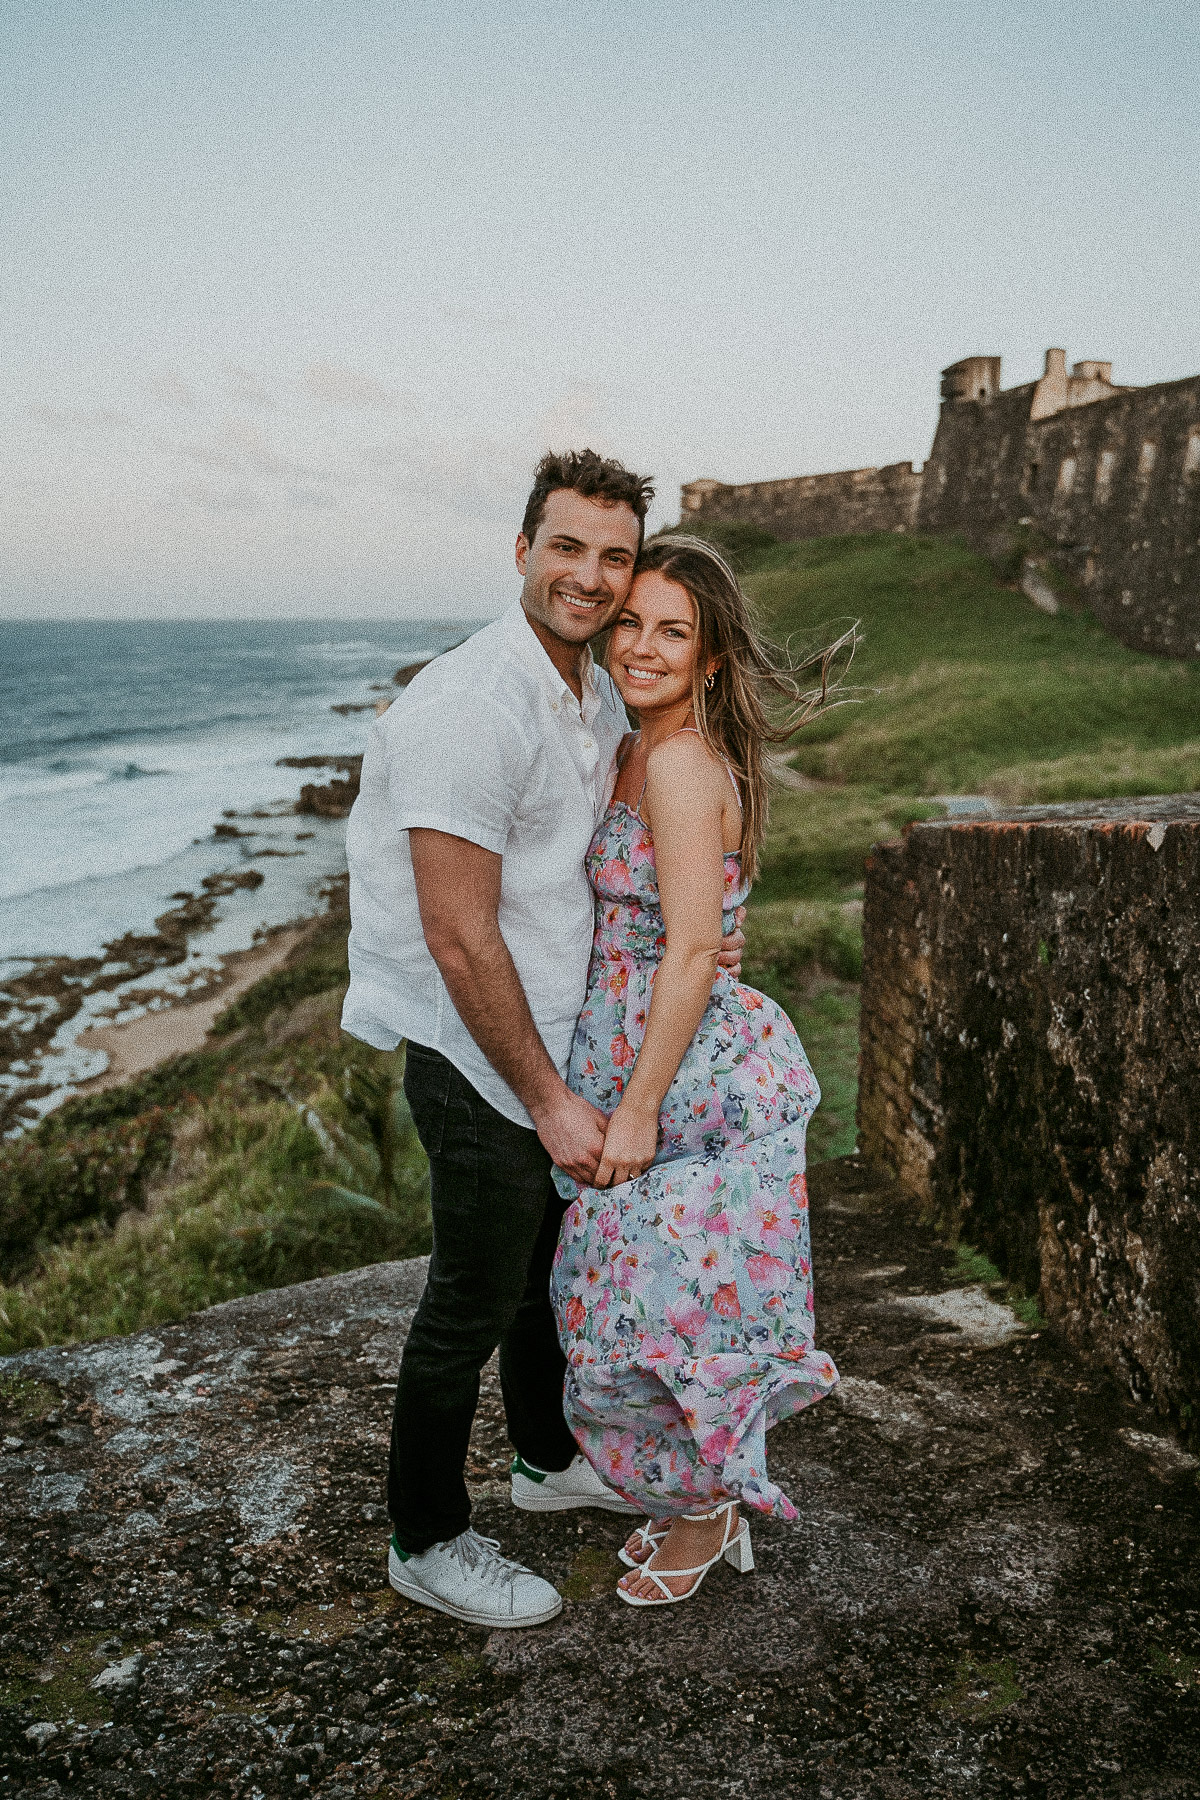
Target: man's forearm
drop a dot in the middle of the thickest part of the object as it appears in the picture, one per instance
(483, 983)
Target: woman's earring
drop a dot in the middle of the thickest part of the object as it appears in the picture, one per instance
(708, 681)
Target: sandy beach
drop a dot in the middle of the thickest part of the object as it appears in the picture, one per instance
(173, 1030)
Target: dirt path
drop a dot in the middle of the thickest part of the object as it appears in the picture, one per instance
(992, 1590)
(780, 771)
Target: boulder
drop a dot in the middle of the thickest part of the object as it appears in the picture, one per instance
(991, 1589)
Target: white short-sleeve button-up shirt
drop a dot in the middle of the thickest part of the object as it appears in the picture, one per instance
(489, 744)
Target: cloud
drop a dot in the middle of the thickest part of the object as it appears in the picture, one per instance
(72, 421)
(468, 475)
(573, 421)
(247, 388)
(170, 389)
(336, 384)
(217, 500)
(240, 447)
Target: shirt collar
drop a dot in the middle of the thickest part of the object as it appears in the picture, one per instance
(529, 647)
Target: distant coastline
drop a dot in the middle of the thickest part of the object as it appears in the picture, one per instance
(72, 1022)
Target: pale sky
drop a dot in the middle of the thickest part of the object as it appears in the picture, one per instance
(293, 295)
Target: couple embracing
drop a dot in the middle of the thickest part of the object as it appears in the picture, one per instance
(545, 905)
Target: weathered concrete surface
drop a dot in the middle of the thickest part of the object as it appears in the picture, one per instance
(1031, 1061)
(992, 1590)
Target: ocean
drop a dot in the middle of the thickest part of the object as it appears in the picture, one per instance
(124, 744)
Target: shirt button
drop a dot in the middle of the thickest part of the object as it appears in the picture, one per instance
(554, 706)
(589, 743)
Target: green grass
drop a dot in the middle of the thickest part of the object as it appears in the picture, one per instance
(975, 1265)
(283, 1150)
(808, 957)
(967, 687)
(60, 1689)
(283, 1153)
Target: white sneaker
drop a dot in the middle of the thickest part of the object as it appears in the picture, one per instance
(469, 1579)
(533, 1490)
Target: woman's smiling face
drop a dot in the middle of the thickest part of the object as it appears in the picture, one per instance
(652, 646)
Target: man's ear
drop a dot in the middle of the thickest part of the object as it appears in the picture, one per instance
(522, 552)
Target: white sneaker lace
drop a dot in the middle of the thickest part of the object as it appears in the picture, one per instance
(481, 1556)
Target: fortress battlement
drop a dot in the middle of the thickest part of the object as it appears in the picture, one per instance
(1102, 479)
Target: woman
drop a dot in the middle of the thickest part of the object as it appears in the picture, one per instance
(682, 1282)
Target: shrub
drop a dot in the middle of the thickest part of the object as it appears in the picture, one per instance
(284, 987)
(88, 1174)
(182, 1079)
(253, 1214)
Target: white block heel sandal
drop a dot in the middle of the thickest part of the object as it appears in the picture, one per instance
(735, 1548)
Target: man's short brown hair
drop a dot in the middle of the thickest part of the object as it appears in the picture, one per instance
(595, 477)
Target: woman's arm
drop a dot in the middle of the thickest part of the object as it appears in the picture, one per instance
(686, 795)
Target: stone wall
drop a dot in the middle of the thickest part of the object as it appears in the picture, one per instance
(845, 503)
(1108, 483)
(1031, 1062)
(1101, 479)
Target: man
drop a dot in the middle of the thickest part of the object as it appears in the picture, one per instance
(471, 935)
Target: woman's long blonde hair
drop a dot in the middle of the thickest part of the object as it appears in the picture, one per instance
(731, 714)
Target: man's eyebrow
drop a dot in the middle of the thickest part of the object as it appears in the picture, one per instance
(565, 537)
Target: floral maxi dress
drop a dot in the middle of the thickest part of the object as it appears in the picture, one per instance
(684, 1297)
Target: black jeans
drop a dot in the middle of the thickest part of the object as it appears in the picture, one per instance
(496, 1215)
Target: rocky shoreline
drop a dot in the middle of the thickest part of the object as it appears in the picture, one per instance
(53, 990)
(330, 799)
(43, 995)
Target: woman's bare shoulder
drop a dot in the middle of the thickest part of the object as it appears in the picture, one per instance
(685, 761)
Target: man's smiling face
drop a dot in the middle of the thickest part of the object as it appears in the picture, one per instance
(579, 566)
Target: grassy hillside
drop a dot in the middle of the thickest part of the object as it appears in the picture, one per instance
(960, 686)
(975, 691)
(284, 1150)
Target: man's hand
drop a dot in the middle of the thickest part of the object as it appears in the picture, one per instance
(573, 1132)
(732, 946)
(629, 1146)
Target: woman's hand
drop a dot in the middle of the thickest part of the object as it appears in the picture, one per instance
(629, 1145)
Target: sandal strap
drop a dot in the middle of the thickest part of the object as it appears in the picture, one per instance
(726, 1507)
(657, 1575)
(648, 1536)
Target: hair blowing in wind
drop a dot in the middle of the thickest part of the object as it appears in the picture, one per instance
(741, 714)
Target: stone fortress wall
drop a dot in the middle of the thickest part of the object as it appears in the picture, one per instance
(847, 503)
(1102, 480)
(1029, 1063)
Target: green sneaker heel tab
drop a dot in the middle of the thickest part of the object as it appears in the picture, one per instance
(402, 1554)
(521, 1467)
